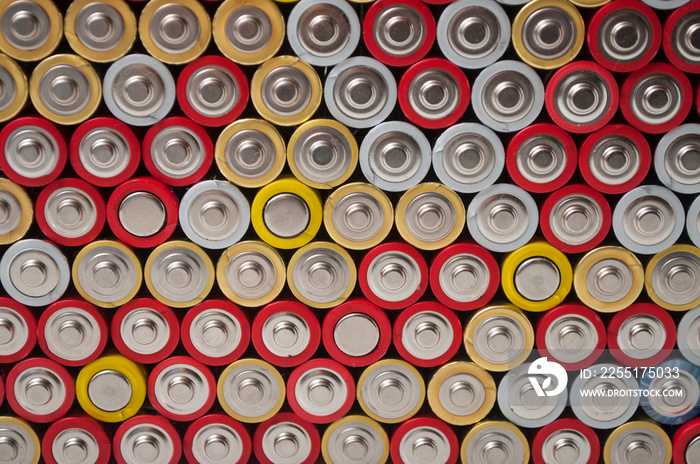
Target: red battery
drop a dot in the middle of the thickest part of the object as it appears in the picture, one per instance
(22, 324)
(226, 322)
(329, 374)
(684, 20)
(393, 275)
(438, 323)
(380, 24)
(2, 389)
(108, 161)
(423, 429)
(286, 333)
(285, 426)
(434, 93)
(219, 427)
(159, 323)
(142, 429)
(65, 429)
(52, 158)
(578, 428)
(48, 379)
(687, 434)
(343, 326)
(72, 332)
(219, 72)
(580, 198)
(157, 204)
(191, 156)
(652, 323)
(181, 388)
(85, 200)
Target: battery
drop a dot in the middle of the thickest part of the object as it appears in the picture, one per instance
(76, 440)
(39, 390)
(674, 159)
(286, 437)
(642, 334)
(19, 212)
(22, 441)
(670, 275)
(12, 77)
(685, 442)
(251, 390)
(18, 335)
(367, 439)
(390, 391)
(679, 37)
(688, 343)
(495, 437)
(250, 273)
(147, 439)
(674, 374)
(31, 30)
(566, 440)
(424, 440)
(635, 438)
(215, 438)
(181, 388)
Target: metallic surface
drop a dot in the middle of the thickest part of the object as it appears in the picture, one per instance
(390, 391)
(677, 159)
(355, 440)
(251, 390)
(688, 337)
(15, 88)
(32, 152)
(576, 219)
(393, 276)
(461, 393)
(182, 389)
(16, 212)
(672, 278)
(19, 443)
(492, 442)
(146, 443)
(250, 273)
(101, 31)
(637, 441)
(31, 29)
(107, 273)
(73, 334)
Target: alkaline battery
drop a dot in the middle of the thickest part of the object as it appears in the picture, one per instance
(20, 441)
(321, 274)
(71, 212)
(641, 335)
(360, 92)
(676, 157)
(216, 438)
(138, 90)
(177, 151)
(692, 221)
(680, 40)
(670, 278)
(72, 332)
(495, 441)
(215, 332)
(321, 391)
(39, 390)
(566, 441)
(145, 330)
(18, 332)
(355, 438)
(286, 437)
(286, 333)
(499, 338)
(356, 333)
(688, 341)
(34, 151)
(30, 29)
(248, 33)
(212, 91)
(76, 440)
(358, 216)
(393, 275)
(323, 33)
(424, 440)
(251, 390)
(18, 212)
(250, 273)
(686, 443)
(12, 78)
(676, 377)
(181, 388)
(390, 391)
(648, 219)
(34, 272)
(571, 335)
(147, 440)
(637, 440)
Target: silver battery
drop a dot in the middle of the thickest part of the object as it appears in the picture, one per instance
(70, 212)
(17, 446)
(393, 276)
(468, 157)
(507, 96)
(502, 218)
(286, 443)
(26, 25)
(356, 334)
(182, 389)
(648, 219)
(144, 331)
(425, 445)
(614, 159)
(473, 33)
(34, 272)
(177, 152)
(104, 152)
(566, 446)
(395, 156)
(323, 154)
(674, 278)
(656, 98)
(638, 444)
(583, 98)
(286, 334)
(500, 339)
(641, 336)
(692, 222)
(250, 390)
(179, 274)
(684, 37)
(665, 4)
(322, 275)
(40, 391)
(108, 274)
(323, 33)
(217, 443)
(74, 446)
(174, 28)
(109, 390)
(356, 442)
(391, 391)
(214, 214)
(688, 336)
(677, 159)
(608, 410)
(146, 444)
(139, 90)
(678, 378)
(624, 36)
(322, 391)
(464, 278)
(359, 216)
(495, 444)
(571, 338)
(31, 151)
(212, 91)
(399, 30)
(575, 219)
(73, 334)
(14, 331)
(550, 33)
(520, 403)
(66, 90)
(215, 333)
(142, 214)
(360, 92)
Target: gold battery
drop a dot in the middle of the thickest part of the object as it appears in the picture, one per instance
(19, 212)
(15, 101)
(671, 278)
(617, 444)
(482, 428)
(30, 455)
(100, 31)
(362, 428)
(398, 375)
(251, 372)
(41, 29)
(462, 376)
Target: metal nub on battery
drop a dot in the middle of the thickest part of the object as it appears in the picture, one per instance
(323, 33)
(286, 90)
(507, 96)
(686, 443)
(251, 390)
(461, 393)
(248, 33)
(548, 33)
(215, 332)
(18, 331)
(358, 216)
(100, 31)
(671, 276)
(76, 440)
(139, 90)
(286, 438)
(19, 441)
(175, 31)
(677, 375)
(692, 221)
(34, 272)
(355, 439)
(677, 159)
(181, 388)
(31, 29)
(321, 274)
(424, 440)
(216, 438)
(640, 335)
(493, 441)
(40, 390)
(687, 339)
(360, 92)
(637, 440)
(250, 273)
(390, 391)
(147, 440)
(566, 441)
(395, 156)
(18, 212)
(14, 81)
(648, 219)
(321, 390)
(214, 214)
(680, 38)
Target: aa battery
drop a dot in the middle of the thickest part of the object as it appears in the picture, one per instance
(12, 77)
(685, 442)
(688, 343)
(678, 38)
(461, 393)
(649, 439)
(286, 437)
(370, 441)
(485, 437)
(251, 390)
(31, 30)
(147, 439)
(250, 273)
(672, 375)
(76, 440)
(214, 438)
(390, 391)
(424, 439)
(669, 276)
(19, 212)
(39, 390)
(642, 334)
(23, 441)
(19, 332)
(564, 440)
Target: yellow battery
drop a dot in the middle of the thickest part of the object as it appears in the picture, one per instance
(379, 374)
(463, 372)
(256, 253)
(111, 388)
(307, 139)
(646, 428)
(46, 32)
(21, 92)
(13, 197)
(126, 252)
(190, 261)
(239, 32)
(286, 90)
(608, 279)
(330, 439)
(662, 268)
(250, 370)
(355, 207)
(480, 427)
(286, 213)
(430, 216)
(109, 45)
(54, 109)
(521, 45)
(15, 422)
(495, 334)
(179, 49)
(529, 276)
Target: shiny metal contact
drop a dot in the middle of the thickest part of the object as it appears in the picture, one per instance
(684, 37)
(391, 391)
(656, 98)
(75, 446)
(429, 216)
(181, 389)
(14, 85)
(356, 334)
(614, 159)
(541, 158)
(286, 443)
(177, 152)
(641, 336)
(635, 443)
(583, 98)
(252, 273)
(571, 338)
(104, 152)
(322, 154)
(355, 441)
(142, 214)
(107, 273)
(464, 278)
(688, 337)
(360, 214)
(144, 331)
(146, 444)
(16, 212)
(435, 94)
(215, 333)
(72, 334)
(251, 391)
(180, 274)
(14, 332)
(286, 215)
(624, 36)
(321, 391)
(566, 446)
(70, 212)
(100, 31)
(285, 334)
(40, 391)
(321, 275)
(677, 159)
(499, 339)
(424, 445)
(495, 443)
(393, 276)
(399, 30)
(175, 32)
(537, 278)
(31, 29)
(212, 91)
(576, 219)
(686, 395)
(31, 151)
(692, 221)
(216, 443)
(675, 277)
(19, 442)
(109, 390)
